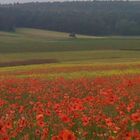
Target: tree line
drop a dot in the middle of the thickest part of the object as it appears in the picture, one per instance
(83, 17)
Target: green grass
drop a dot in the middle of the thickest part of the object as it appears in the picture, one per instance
(27, 44)
(76, 56)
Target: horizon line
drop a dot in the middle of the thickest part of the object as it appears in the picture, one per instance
(51, 1)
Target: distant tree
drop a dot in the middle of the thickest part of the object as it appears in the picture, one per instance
(82, 17)
(73, 35)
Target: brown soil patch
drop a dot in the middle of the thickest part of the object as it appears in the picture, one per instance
(28, 62)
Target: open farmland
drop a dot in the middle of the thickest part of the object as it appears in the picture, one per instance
(53, 87)
(31, 44)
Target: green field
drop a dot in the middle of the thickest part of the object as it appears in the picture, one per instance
(26, 44)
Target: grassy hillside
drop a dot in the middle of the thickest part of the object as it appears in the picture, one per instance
(27, 44)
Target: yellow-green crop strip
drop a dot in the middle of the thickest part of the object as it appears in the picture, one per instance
(82, 74)
(132, 68)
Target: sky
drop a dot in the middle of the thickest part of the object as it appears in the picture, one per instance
(23, 1)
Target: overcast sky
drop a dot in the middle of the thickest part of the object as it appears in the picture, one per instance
(23, 1)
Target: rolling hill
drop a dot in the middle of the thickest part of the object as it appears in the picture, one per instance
(34, 44)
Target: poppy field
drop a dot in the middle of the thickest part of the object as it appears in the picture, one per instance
(43, 102)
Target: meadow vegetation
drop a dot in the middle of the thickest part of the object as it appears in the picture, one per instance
(92, 91)
(25, 44)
